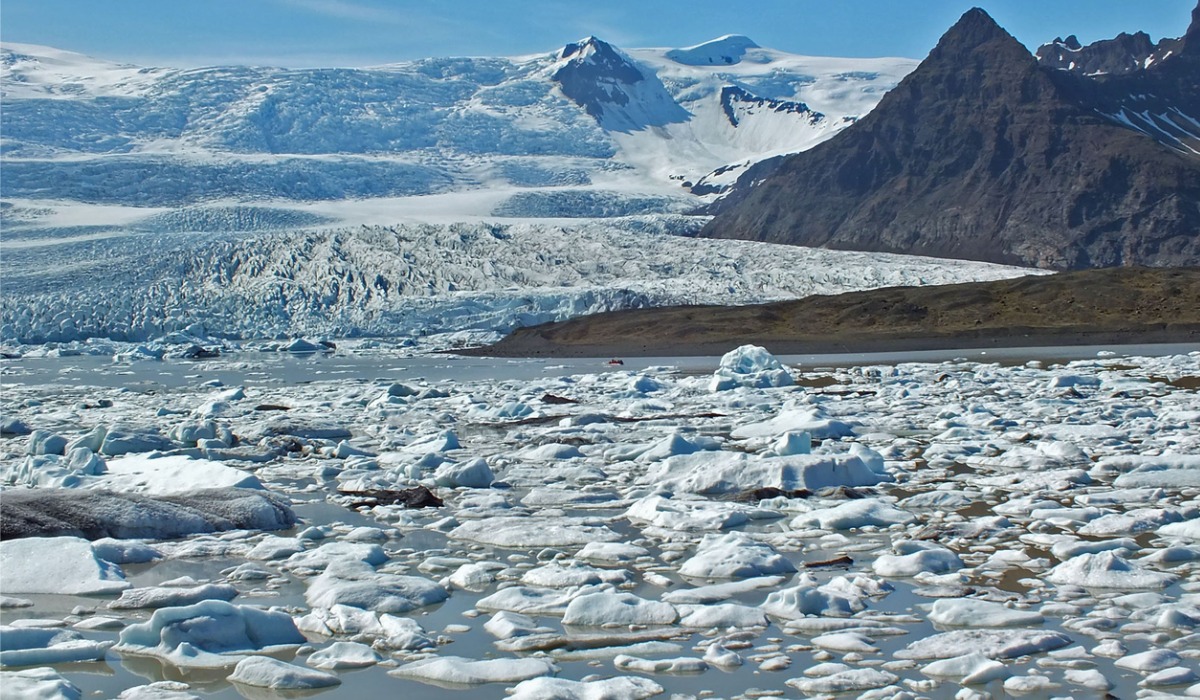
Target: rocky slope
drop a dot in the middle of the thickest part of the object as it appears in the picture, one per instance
(983, 153)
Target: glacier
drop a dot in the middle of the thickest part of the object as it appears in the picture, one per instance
(439, 200)
(417, 281)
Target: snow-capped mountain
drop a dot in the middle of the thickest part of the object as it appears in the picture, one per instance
(430, 197)
(478, 131)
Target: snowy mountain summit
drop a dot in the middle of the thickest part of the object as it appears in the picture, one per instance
(726, 50)
(589, 129)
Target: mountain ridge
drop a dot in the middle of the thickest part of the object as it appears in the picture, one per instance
(982, 153)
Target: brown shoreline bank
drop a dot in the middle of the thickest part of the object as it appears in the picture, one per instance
(1095, 307)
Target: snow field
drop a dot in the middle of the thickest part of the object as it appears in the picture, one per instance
(949, 525)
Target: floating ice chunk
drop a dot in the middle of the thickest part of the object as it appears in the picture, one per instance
(528, 532)
(611, 553)
(1070, 547)
(971, 612)
(806, 599)
(1025, 685)
(684, 664)
(43, 442)
(1177, 675)
(170, 475)
(969, 669)
(710, 473)
(717, 654)
(704, 595)
(751, 366)
(159, 690)
(1088, 678)
(994, 644)
(915, 558)
(9, 602)
(1150, 661)
(386, 631)
(686, 514)
(854, 514)
(62, 565)
(341, 655)
(804, 419)
(676, 444)
(128, 440)
(272, 547)
(211, 634)
(556, 575)
(854, 680)
(265, 672)
(623, 687)
(38, 646)
(474, 474)
(1166, 471)
(357, 584)
(506, 625)
(1066, 381)
(1131, 522)
(845, 642)
(721, 616)
(532, 601)
(618, 609)
(568, 495)
(644, 384)
(734, 555)
(1106, 570)
(302, 346)
(125, 551)
(167, 596)
(1188, 529)
(552, 452)
(32, 512)
(326, 554)
(463, 671)
(475, 576)
(41, 684)
(790, 443)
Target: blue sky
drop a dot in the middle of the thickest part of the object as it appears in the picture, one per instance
(188, 33)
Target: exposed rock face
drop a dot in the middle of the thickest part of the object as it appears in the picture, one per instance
(1126, 53)
(983, 154)
(613, 88)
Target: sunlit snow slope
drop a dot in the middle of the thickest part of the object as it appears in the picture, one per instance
(588, 117)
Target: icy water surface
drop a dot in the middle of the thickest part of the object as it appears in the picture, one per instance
(1060, 486)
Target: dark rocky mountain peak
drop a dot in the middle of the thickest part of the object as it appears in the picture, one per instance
(983, 153)
(620, 93)
(1123, 54)
(973, 30)
(598, 59)
(1071, 43)
(1191, 39)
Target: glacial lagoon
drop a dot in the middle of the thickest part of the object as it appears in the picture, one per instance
(1036, 508)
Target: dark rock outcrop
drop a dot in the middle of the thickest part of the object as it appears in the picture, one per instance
(984, 154)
